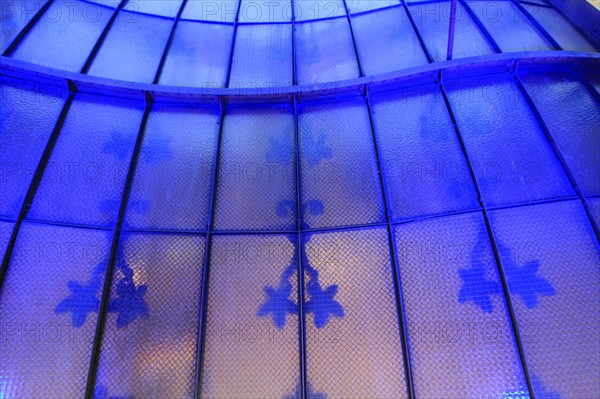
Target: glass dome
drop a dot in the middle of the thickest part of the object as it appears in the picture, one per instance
(299, 199)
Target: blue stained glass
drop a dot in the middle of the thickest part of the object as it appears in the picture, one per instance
(424, 167)
(594, 204)
(356, 6)
(28, 115)
(264, 11)
(15, 15)
(65, 35)
(209, 10)
(85, 170)
(6, 229)
(133, 40)
(167, 8)
(318, 9)
(558, 238)
(511, 158)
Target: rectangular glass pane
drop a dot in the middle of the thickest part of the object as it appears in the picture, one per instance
(511, 158)
(15, 15)
(65, 35)
(460, 337)
(551, 260)
(262, 56)
(251, 347)
(133, 48)
(150, 338)
(306, 10)
(356, 6)
(49, 309)
(387, 41)
(199, 55)
(28, 114)
(6, 229)
(353, 345)
(167, 8)
(256, 187)
(325, 52)
(425, 170)
(210, 10)
(264, 11)
(573, 118)
(340, 181)
(171, 187)
(85, 176)
(433, 22)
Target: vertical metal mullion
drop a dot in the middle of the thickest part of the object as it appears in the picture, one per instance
(112, 260)
(294, 73)
(482, 29)
(299, 248)
(201, 344)
(488, 225)
(541, 30)
(360, 68)
(402, 324)
(36, 180)
(101, 38)
(165, 53)
(451, 29)
(416, 30)
(556, 150)
(21, 35)
(233, 40)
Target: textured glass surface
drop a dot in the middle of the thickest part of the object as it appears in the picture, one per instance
(210, 10)
(356, 6)
(6, 229)
(251, 347)
(256, 177)
(510, 29)
(150, 339)
(511, 158)
(261, 11)
(15, 14)
(48, 310)
(573, 118)
(65, 35)
(133, 48)
(357, 353)
(318, 9)
(433, 22)
(340, 183)
(84, 179)
(167, 8)
(594, 204)
(563, 32)
(262, 56)
(460, 339)
(172, 182)
(324, 51)
(387, 41)
(424, 167)
(552, 263)
(28, 113)
(198, 56)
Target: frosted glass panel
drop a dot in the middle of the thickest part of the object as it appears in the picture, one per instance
(198, 56)
(318, 9)
(356, 6)
(262, 57)
(265, 11)
(209, 10)
(167, 8)
(6, 229)
(133, 48)
(15, 15)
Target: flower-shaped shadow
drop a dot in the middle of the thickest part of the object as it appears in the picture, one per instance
(82, 301)
(130, 303)
(322, 303)
(477, 288)
(278, 304)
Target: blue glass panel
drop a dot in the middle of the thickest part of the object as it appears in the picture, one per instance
(511, 158)
(560, 29)
(256, 186)
(460, 338)
(594, 204)
(262, 57)
(424, 167)
(14, 15)
(133, 48)
(340, 181)
(573, 118)
(65, 35)
(49, 308)
(167, 8)
(551, 260)
(325, 52)
(6, 229)
(510, 29)
(28, 113)
(318, 9)
(86, 173)
(353, 345)
(255, 11)
(433, 21)
(172, 182)
(150, 339)
(251, 347)
(106, 3)
(210, 10)
(387, 42)
(356, 6)
(198, 56)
